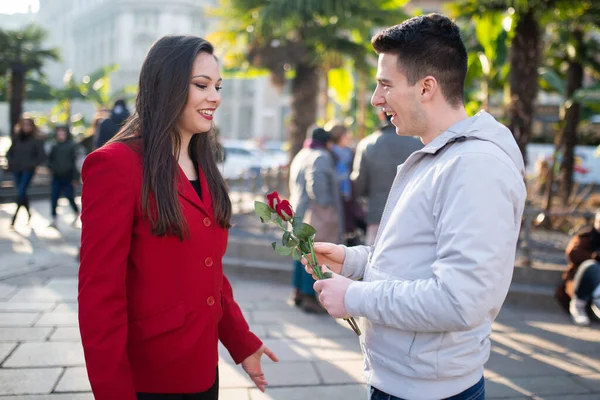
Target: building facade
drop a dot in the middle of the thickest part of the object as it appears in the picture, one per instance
(92, 34)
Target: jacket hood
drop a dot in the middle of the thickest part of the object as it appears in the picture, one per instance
(481, 126)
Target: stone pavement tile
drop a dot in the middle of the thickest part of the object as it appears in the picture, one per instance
(66, 334)
(233, 376)
(539, 385)
(5, 350)
(514, 314)
(513, 364)
(65, 307)
(62, 284)
(502, 388)
(43, 294)
(9, 306)
(340, 349)
(74, 380)
(28, 381)
(297, 318)
(573, 363)
(6, 291)
(18, 319)
(272, 306)
(234, 394)
(294, 350)
(58, 319)
(46, 354)
(322, 330)
(259, 330)
(24, 334)
(505, 341)
(542, 340)
(337, 372)
(337, 392)
(592, 382)
(593, 396)
(290, 374)
(277, 374)
(70, 396)
(258, 291)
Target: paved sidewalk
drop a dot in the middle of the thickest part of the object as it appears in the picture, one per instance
(535, 354)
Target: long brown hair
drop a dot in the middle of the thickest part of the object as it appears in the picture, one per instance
(163, 91)
(34, 134)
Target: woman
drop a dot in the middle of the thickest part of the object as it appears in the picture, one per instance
(23, 156)
(153, 300)
(315, 197)
(354, 217)
(62, 163)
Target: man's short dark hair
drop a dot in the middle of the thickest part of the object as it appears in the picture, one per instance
(428, 45)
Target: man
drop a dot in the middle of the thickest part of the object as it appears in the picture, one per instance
(375, 165)
(442, 262)
(580, 286)
(111, 126)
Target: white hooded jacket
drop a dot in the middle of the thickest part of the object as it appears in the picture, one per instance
(442, 263)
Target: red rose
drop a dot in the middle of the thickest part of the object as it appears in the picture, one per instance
(273, 200)
(285, 211)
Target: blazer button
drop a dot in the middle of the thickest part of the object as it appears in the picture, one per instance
(210, 301)
(208, 262)
(207, 221)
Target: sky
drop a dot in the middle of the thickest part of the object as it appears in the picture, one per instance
(18, 6)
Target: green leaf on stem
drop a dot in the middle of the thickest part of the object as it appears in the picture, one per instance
(262, 210)
(304, 247)
(296, 254)
(287, 236)
(304, 231)
(283, 251)
(292, 243)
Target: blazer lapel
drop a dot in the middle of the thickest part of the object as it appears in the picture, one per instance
(206, 197)
(187, 191)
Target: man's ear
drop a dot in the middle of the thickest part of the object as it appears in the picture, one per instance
(429, 86)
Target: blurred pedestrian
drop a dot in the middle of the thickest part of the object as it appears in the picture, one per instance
(109, 127)
(315, 197)
(579, 291)
(62, 162)
(354, 216)
(25, 154)
(375, 165)
(153, 300)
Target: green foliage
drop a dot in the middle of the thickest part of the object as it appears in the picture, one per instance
(23, 49)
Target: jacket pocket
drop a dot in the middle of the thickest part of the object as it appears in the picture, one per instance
(158, 324)
(424, 352)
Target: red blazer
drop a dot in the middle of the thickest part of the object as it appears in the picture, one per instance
(151, 309)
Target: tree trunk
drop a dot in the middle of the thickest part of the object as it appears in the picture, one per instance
(305, 90)
(17, 95)
(523, 78)
(572, 115)
(324, 103)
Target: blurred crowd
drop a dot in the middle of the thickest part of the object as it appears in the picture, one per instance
(342, 191)
(61, 155)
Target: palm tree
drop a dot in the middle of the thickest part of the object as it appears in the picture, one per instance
(20, 53)
(524, 56)
(486, 40)
(299, 38)
(577, 26)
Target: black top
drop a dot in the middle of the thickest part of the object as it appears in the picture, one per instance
(196, 185)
